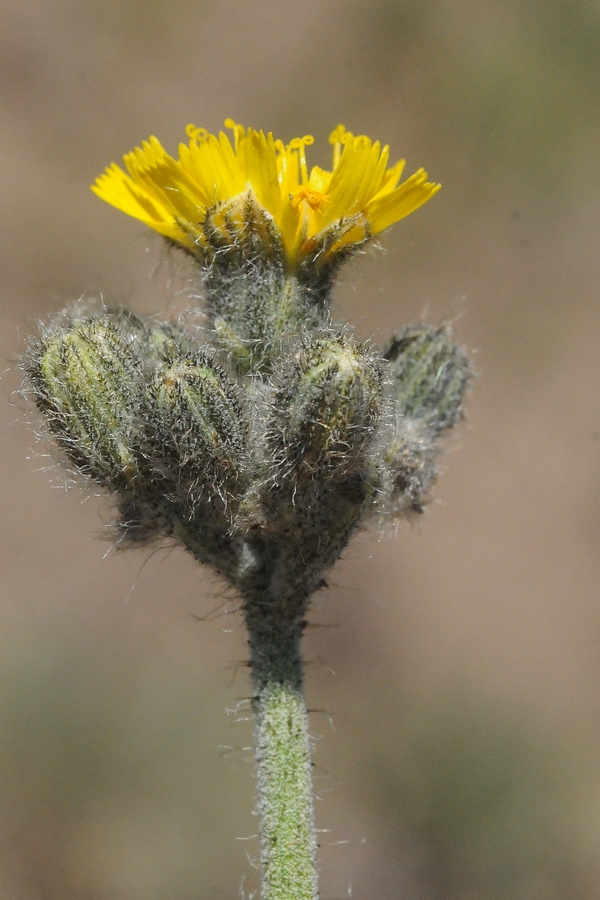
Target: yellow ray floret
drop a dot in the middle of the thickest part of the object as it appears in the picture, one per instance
(360, 194)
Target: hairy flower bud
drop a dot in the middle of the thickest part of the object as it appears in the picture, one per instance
(326, 408)
(85, 377)
(196, 427)
(161, 341)
(411, 461)
(430, 373)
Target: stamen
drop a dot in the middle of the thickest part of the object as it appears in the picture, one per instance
(196, 134)
(338, 137)
(281, 159)
(299, 144)
(238, 130)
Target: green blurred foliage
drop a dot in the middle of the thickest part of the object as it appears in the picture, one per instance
(507, 90)
(107, 773)
(149, 25)
(478, 801)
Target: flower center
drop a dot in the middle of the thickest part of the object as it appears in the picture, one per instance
(315, 199)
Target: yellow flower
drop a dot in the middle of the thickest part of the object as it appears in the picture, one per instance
(317, 213)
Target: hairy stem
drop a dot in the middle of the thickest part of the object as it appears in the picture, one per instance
(287, 832)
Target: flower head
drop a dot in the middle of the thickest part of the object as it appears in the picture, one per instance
(201, 200)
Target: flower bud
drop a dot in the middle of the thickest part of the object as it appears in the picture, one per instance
(164, 340)
(196, 427)
(430, 373)
(411, 462)
(326, 408)
(85, 377)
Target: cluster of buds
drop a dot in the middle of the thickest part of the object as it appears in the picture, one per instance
(262, 441)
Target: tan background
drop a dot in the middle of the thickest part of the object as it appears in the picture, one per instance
(462, 670)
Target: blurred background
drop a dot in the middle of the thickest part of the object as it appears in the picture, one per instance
(454, 676)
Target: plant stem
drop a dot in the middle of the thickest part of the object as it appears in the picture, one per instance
(287, 832)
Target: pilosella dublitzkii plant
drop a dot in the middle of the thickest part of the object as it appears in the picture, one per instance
(262, 443)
